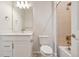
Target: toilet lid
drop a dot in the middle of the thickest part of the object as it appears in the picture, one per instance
(46, 49)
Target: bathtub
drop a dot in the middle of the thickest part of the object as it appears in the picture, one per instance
(63, 51)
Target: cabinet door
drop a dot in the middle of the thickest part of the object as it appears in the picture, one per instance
(22, 49)
(6, 49)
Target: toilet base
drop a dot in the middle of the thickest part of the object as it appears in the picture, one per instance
(44, 55)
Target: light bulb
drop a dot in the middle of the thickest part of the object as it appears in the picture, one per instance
(18, 4)
(23, 4)
(27, 5)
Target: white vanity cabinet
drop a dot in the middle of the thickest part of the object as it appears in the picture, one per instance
(16, 45)
(22, 49)
(22, 46)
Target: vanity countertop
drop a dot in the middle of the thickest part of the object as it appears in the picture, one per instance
(21, 33)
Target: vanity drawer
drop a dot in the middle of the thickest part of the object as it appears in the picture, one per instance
(7, 46)
(7, 49)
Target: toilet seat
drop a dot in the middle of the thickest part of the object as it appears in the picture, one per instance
(46, 50)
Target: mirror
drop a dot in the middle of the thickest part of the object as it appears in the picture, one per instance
(15, 19)
(22, 17)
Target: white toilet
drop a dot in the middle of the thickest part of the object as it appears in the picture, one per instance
(45, 49)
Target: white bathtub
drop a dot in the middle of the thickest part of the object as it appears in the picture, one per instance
(63, 51)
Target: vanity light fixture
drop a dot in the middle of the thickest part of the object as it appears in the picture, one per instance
(23, 4)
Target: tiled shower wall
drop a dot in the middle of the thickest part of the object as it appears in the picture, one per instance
(63, 22)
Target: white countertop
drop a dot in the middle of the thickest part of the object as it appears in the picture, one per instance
(26, 33)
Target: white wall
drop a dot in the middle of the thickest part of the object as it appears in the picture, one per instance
(42, 21)
(75, 29)
(5, 10)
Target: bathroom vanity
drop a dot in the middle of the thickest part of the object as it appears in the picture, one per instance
(16, 44)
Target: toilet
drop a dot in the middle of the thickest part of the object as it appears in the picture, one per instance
(45, 48)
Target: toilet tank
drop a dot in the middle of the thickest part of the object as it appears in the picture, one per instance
(44, 39)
